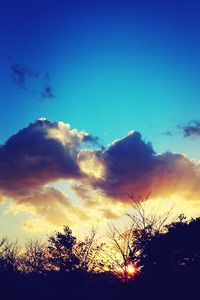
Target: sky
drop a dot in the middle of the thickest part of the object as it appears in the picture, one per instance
(125, 76)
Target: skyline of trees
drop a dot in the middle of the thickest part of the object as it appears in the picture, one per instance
(152, 252)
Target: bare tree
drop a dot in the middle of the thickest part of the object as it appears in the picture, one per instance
(126, 247)
(119, 251)
(9, 255)
(145, 223)
(89, 251)
(34, 258)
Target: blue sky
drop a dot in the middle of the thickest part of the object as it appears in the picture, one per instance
(114, 66)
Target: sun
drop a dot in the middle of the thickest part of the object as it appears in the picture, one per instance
(131, 270)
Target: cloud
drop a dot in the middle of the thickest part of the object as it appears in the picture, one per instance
(94, 140)
(41, 153)
(90, 164)
(45, 152)
(35, 156)
(192, 129)
(47, 90)
(51, 205)
(131, 165)
(36, 225)
(21, 73)
(99, 206)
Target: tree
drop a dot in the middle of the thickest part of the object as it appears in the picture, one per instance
(88, 252)
(61, 251)
(128, 247)
(119, 251)
(146, 224)
(176, 249)
(9, 253)
(34, 258)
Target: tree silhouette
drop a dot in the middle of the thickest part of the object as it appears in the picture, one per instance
(88, 252)
(61, 251)
(128, 247)
(9, 252)
(145, 225)
(176, 249)
(118, 251)
(167, 254)
(34, 259)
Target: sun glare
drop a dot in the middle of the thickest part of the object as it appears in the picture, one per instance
(131, 270)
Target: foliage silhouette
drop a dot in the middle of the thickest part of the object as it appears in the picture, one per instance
(61, 251)
(168, 254)
(176, 249)
(8, 256)
(34, 259)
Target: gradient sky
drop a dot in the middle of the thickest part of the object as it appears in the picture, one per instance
(115, 66)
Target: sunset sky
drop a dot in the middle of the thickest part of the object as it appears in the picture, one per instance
(98, 99)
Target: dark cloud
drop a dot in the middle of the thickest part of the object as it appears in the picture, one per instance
(35, 156)
(131, 165)
(41, 153)
(192, 129)
(126, 161)
(47, 90)
(21, 73)
(93, 140)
